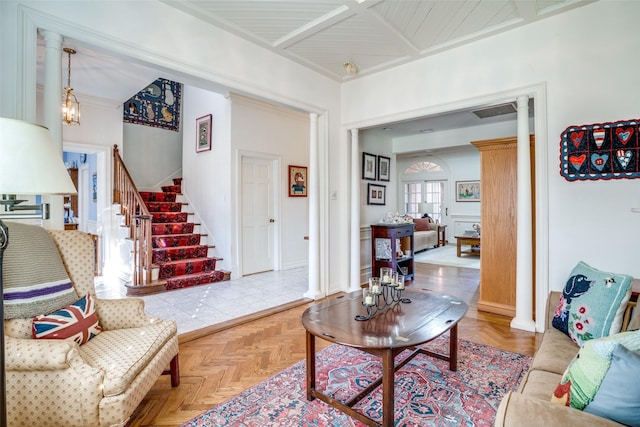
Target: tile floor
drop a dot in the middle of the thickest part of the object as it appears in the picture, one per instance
(200, 306)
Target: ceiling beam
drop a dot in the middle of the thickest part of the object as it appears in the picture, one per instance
(313, 27)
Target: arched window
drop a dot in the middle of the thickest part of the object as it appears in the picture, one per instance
(418, 188)
(423, 167)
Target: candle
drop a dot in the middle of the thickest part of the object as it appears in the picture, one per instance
(368, 300)
(375, 289)
(385, 278)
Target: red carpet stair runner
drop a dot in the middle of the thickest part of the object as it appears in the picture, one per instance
(183, 260)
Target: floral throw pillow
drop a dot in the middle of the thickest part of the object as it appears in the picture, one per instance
(592, 303)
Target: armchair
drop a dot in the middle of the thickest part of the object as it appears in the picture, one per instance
(55, 382)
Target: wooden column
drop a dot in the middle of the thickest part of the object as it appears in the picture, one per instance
(498, 212)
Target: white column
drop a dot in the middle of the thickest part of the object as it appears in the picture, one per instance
(524, 261)
(313, 191)
(354, 280)
(53, 115)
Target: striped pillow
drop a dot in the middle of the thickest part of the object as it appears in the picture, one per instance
(34, 278)
(77, 322)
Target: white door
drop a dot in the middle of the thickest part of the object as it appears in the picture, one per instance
(258, 220)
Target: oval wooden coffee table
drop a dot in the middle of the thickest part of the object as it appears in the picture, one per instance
(397, 328)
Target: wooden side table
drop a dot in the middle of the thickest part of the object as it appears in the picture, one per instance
(442, 235)
(474, 242)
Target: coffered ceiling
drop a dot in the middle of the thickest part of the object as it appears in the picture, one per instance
(372, 34)
(323, 35)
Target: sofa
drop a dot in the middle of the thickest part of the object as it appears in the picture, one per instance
(425, 234)
(58, 382)
(530, 405)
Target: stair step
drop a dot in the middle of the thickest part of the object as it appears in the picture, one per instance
(172, 189)
(164, 217)
(169, 240)
(187, 266)
(190, 280)
(164, 255)
(172, 228)
(154, 207)
(158, 196)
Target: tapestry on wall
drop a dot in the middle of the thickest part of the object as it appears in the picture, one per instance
(600, 151)
(157, 105)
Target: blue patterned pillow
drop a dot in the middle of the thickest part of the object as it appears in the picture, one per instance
(592, 304)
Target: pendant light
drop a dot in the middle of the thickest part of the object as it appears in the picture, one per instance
(70, 104)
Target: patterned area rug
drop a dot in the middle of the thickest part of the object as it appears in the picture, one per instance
(426, 392)
(446, 255)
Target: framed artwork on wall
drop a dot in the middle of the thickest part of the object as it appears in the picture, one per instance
(369, 166)
(203, 133)
(467, 191)
(297, 181)
(376, 194)
(384, 168)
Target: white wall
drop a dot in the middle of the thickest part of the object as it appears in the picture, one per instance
(375, 143)
(258, 127)
(229, 61)
(152, 155)
(574, 55)
(206, 174)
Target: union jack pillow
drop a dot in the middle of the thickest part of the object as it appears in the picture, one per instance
(77, 322)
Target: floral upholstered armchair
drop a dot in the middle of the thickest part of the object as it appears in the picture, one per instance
(72, 359)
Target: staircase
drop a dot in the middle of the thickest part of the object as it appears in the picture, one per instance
(176, 248)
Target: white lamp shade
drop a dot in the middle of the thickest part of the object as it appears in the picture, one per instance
(29, 161)
(426, 208)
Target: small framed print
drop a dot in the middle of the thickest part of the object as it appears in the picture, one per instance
(369, 166)
(384, 168)
(467, 191)
(203, 133)
(298, 181)
(376, 194)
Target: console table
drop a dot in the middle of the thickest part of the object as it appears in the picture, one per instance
(392, 246)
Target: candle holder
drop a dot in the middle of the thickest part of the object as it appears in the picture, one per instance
(381, 294)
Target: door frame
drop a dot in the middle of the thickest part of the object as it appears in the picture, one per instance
(277, 231)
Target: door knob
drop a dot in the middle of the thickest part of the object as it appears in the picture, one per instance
(272, 220)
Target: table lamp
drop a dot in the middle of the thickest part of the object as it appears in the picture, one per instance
(29, 164)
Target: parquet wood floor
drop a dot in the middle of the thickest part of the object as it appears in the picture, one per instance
(220, 365)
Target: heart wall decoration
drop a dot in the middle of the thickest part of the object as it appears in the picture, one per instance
(600, 151)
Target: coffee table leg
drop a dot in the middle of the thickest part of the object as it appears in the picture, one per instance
(311, 365)
(453, 348)
(388, 374)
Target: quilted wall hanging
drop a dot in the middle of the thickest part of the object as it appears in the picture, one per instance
(600, 151)
(157, 105)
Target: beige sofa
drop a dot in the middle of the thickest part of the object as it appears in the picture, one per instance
(425, 234)
(56, 382)
(531, 405)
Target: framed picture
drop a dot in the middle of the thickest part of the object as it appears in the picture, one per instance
(376, 194)
(94, 187)
(384, 168)
(203, 133)
(369, 166)
(467, 191)
(297, 181)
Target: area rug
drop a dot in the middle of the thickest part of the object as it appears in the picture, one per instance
(446, 255)
(426, 392)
